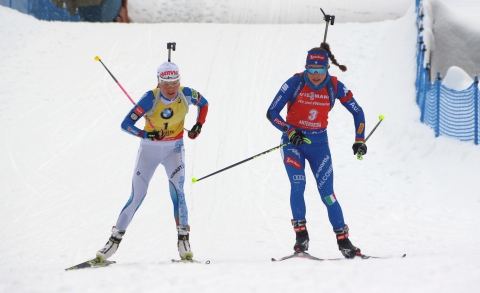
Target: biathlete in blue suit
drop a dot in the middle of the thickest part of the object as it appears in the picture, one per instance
(309, 96)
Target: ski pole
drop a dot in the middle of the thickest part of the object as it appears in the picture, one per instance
(328, 19)
(170, 46)
(128, 96)
(194, 180)
(380, 118)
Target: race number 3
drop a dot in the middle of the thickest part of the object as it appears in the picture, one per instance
(313, 115)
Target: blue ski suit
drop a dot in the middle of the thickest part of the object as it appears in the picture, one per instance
(307, 110)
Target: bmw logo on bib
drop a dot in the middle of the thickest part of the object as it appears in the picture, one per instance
(167, 113)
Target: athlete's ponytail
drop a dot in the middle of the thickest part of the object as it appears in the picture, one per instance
(325, 47)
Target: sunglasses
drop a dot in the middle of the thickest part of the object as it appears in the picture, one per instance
(320, 70)
(170, 83)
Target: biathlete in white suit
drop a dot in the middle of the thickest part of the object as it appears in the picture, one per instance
(309, 96)
(165, 108)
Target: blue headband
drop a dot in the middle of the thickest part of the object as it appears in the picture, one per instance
(317, 58)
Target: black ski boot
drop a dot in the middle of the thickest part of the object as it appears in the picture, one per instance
(301, 244)
(344, 245)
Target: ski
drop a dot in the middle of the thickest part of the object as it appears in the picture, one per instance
(306, 255)
(189, 261)
(98, 263)
(93, 263)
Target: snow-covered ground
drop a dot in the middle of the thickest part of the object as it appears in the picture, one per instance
(66, 165)
(265, 11)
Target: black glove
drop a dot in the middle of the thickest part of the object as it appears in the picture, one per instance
(195, 131)
(297, 137)
(359, 147)
(155, 135)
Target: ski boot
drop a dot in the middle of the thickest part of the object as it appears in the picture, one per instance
(344, 245)
(301, 244)
(183, 244)
(112, 244)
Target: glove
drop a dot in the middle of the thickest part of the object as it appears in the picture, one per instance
(297, 137)
(154, 135)
(195, 131)
(359, 147)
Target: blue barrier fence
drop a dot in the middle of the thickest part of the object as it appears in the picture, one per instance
(449, 112)
(107, 11)
(41, 9)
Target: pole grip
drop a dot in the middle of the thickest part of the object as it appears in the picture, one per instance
(381, 117)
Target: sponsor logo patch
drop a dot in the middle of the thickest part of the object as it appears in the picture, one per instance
(176, 171)
(139, 111)
(279, 122)
(295, 151)
(325, 177)
(131, 130)
(169, 73)
(354, 107)
(324, 161)
(276, 102)
(292, 162)
(167, 113)
(312, 95)
(320, 57)
(310, 124)
(360, 128)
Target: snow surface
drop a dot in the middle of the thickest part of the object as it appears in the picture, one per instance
(457, 79)
(265, 11)
(66, 165)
